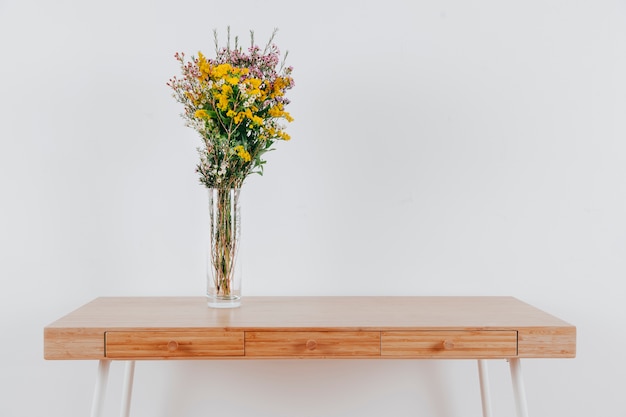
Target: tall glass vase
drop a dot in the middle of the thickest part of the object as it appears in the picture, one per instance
(224, 269)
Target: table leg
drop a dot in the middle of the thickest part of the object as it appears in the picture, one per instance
(518, 387)
(101, 388)
(129, 374)
(484, 387)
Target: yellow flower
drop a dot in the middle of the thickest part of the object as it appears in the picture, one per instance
(203, 66)
(227, 89)
(254, 84)
(239, 117)
(221, 70)
(279, 85)
(242, 153)
(201, 114)
(283, 135)
(222, 101)
(277, 111)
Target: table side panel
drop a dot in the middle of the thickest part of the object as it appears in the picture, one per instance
(547, 342)
(73, 343)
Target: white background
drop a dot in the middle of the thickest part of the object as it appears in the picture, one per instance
(439, 148)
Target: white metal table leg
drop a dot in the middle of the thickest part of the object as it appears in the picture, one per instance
(484, 387)
(129, 374)
(518, 387)
(101, 388)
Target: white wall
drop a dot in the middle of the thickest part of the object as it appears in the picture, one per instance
(440, 147)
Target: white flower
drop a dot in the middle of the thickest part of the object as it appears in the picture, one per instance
(249, 101)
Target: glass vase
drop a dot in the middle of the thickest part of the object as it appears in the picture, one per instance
(224, 268)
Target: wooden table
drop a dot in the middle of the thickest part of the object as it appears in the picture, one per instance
(157, 328)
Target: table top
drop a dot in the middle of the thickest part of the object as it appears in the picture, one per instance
(80, 334)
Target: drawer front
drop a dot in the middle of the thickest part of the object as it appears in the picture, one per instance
(449, 344)
(312, 344)
(181, 344)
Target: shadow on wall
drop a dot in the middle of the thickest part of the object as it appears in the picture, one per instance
(336, 388)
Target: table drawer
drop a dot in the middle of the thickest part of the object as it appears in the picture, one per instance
(312, 344)
(178, 344)
(449, 344)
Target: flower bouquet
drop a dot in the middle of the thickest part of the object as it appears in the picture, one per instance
(236, 102)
